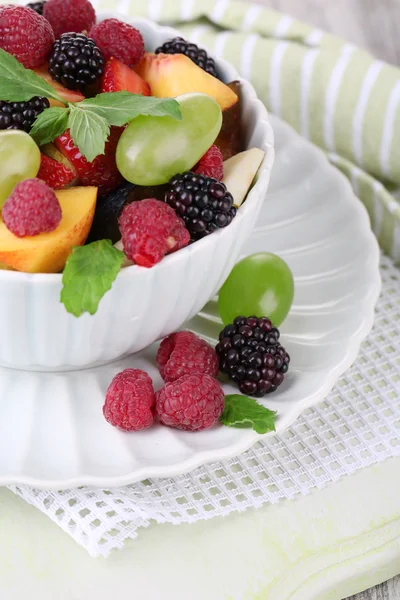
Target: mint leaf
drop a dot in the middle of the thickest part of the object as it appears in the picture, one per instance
(118, 108)
(51, 123)
(18, 84)
(241, 411)
(89, 131)
(88, 274)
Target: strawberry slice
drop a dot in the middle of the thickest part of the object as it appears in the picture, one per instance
(102, 172)
(118, 77)
(55, 174)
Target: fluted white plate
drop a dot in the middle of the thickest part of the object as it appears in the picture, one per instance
(52, 431)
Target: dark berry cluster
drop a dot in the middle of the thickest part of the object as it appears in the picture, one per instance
(21, 115)
(36, 6)
(203, 203)
(76, 61)
(180, 46)
(251, 355)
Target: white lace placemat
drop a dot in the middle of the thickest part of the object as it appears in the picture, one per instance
(357, 425)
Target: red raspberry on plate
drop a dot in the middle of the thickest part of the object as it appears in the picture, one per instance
(130, 401)
(183, 353)
(192, 403)
(118, 39)
(211, 164)
(67, 16)
(26, 35)
(150, 229)
(32, 208)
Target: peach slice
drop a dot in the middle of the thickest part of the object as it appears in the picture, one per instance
(48, 252)
(171, 75)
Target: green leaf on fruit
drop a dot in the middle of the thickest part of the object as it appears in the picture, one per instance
(89, 273)
(118, 108)
(18, 84)
(51, 123)
(89, 131)
(241, 411)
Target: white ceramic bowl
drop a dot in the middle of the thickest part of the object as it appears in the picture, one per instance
(143, 305)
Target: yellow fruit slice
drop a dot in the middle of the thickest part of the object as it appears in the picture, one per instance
(48, 252)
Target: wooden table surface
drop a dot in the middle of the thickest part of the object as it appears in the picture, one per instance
(373, 25)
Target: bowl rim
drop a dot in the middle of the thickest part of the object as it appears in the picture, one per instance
(263, 172)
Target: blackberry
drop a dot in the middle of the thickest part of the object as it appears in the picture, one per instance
(251, 355)
(180, 46)
(203, 203)
(36, 6)
(21, 115)
(76, 61)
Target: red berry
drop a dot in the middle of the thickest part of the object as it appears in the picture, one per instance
(69, 15)
(193, 402)
(118, 77)
(130, 401)
(211, 164)
(25, 34)
(184, 353)
(102, 172)
(32, 208)
(151, 229)
(54, 173)
(118, 39)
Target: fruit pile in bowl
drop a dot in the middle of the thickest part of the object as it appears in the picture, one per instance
(132, 169)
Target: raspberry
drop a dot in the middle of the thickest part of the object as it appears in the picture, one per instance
(120, 40)
(130, 401)
(184, 353)
(192, 403)
(25, 34)
(211, 164)
(151, 229)
(251, 355)
(32, 208)
(67, 16)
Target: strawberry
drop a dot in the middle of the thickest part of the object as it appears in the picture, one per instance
(102, 172)
(118, 77)
(55, 174)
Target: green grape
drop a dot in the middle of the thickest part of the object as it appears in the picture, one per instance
(19, 159)
(260, 285)
(154, 149)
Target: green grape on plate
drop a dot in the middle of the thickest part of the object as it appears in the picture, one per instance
(19, 160)
(260, 285)
(154, 149)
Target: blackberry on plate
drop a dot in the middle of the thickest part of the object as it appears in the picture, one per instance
(36, 6)
(76, 61)
(251, 355)
(203, 203)
(21, 115)
(180, 46)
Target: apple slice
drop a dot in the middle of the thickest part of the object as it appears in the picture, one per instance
(240, 171)
(48, 252)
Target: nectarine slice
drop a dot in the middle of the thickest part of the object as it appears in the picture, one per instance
(171, 75)
(67, 95)
(48, 252)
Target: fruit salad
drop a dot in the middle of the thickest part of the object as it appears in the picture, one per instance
(112, 154)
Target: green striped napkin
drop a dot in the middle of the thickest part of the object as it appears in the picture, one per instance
(331, 92)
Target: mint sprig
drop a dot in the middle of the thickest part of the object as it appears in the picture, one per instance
(89, 273)
(241, 411)
(53, 122)
(18, 84)
(89, 121)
